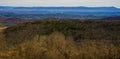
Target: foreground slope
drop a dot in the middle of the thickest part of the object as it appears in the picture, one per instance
(107, 30)
(62, 39)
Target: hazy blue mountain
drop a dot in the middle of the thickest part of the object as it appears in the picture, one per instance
(59, 12)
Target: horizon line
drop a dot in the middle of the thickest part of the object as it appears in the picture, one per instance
(55, 6)
(61, 6)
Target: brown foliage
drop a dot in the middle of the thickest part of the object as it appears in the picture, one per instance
(58, 46)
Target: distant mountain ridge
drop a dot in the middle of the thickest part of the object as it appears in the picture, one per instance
(81, 7)
(59, 12)
(65, 8)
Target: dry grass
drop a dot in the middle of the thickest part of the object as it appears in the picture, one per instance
(3, 46)
(98, 49)
(54, 46)
(75, 40)
(58, 46)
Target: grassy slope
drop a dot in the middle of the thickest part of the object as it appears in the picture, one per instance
(62, 40)
(106, 30)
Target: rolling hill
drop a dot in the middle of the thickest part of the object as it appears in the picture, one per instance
(61, 39)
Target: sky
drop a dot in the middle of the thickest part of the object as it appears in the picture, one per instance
(88, 3)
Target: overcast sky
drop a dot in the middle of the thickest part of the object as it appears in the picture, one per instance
(93, 3)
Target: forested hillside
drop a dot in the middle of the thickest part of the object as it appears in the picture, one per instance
(61, 39)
